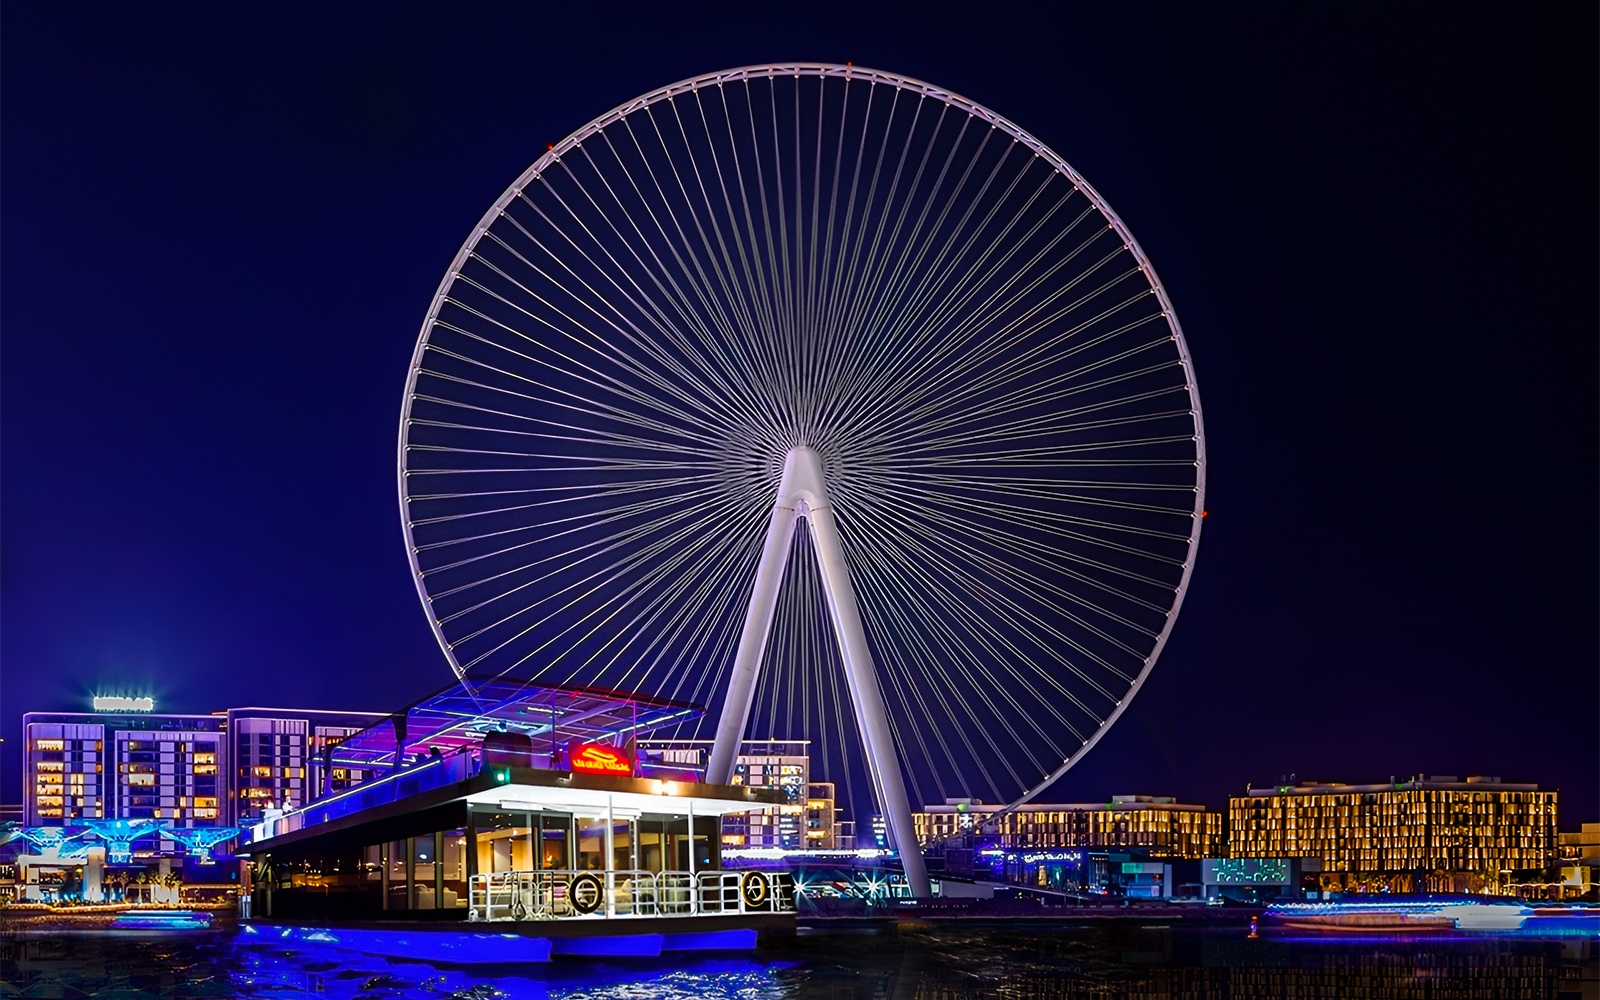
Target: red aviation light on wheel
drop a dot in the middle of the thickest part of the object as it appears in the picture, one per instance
(597, 758)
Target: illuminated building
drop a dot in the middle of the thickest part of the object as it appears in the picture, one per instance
(1435, 833)
(122, 765)
(1582, 846)
(277, 758)
(125, 761)
(1157, 826)
(809, 817)
(821, 816)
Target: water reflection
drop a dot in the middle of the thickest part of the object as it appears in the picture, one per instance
(1104, 963)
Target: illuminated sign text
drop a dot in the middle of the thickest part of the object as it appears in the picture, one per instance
(117, 704)
(596, 758)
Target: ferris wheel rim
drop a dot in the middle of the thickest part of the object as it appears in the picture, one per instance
(847, 72)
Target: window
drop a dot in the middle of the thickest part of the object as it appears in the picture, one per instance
(49, 744)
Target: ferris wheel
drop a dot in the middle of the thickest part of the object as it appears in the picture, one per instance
(826, 398)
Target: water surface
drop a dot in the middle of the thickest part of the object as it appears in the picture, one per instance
(1123, 960)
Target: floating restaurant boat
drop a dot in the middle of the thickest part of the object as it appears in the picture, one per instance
(510, 823)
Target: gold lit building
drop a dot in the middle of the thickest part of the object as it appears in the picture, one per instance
(1459, 835)
(1157, 824)
(822, 816)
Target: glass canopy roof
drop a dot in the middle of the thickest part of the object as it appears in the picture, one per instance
(461, 716)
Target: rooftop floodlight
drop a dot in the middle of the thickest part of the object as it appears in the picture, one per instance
(119, 835)
(200, 840)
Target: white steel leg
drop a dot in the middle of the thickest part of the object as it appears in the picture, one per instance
(867, 696)
(753, 640)
(803, 493)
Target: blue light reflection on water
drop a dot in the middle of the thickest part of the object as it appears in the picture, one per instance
(336, 975)
(132, 966)
(949, 963)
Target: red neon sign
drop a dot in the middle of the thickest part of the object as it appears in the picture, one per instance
(597, 758)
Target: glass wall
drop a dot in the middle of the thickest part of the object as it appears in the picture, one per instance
(397, 869)
(557, 837)
(453, 869)
(503, 841)
(622, 857)
(663, 842)
(424, 872)
(651, 839)
(372, 873)
(428, 875)
(591, 844)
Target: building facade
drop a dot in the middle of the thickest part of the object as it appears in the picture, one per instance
(786, 766)
(189, 771)
(809, 817)
(1435, 833)
(278, 758)
(822, 817)
(80, 766)
(1155, 826)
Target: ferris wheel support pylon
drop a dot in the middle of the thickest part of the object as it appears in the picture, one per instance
(803, 492)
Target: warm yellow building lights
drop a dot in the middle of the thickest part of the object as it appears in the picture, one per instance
(1440, 826)
(1161, 826)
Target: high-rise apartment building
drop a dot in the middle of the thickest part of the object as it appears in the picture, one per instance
(1435, 832)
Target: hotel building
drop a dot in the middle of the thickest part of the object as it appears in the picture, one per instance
(1437, 832)
(192, 771)
(278, 758)
(809, 816)
(822, 817)
(1158, 826)
(123, 766)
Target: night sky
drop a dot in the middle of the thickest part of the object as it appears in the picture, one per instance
(222, 226)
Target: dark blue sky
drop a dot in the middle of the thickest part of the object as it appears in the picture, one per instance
(221, 227)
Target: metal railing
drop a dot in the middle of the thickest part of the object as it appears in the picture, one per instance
(560, 895)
